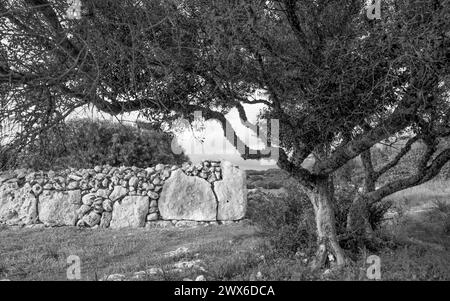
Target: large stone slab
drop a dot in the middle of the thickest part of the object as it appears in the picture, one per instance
(187, 198)
(231, 193)
(18, 206)
(130, 212)
(59, 208)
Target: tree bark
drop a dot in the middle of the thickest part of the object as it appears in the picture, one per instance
(358, 215)
(328, 250)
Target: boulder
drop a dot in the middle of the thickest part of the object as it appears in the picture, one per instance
(152, 216)
(91, 219)
(107, 205)
(187, 198)
(118, 193)
(88, 199)
(59, 208)
(133, 182)
(104, 193)
(231, 193)
(83, 210)
(17, 205)
(153, 195)
(106, 219)
(130, 212)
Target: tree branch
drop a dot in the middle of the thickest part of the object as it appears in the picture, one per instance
(423, 175)
(399, 119)
(397, 158)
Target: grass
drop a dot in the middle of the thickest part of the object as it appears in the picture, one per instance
(423, 195)
(417, 248)
(31, 254)
(232, 252)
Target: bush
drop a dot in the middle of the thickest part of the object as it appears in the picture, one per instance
(84, 143)
(288, 221)
(353, 242)
(441, 214)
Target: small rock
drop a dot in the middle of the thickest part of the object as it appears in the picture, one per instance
(104, 193)
(115, 277)
(153, 195)
(212, 178)
(107, 205)
(75, 177)
(51, 174)
(83, 210)
(99, 176)
(192, 264)
(37, 189)
(73, 185)
(139, 275)
(118, 193)
(115, 180)
(98, 208)
(150, 171)
(200, 278)
(165, 174)
(152, 217)
(91, 219)
(177, 252)
(133, 182)
(188, 224)
(154, 271)
(88, 199)
(48, 186)
(158, 224)
(105, 220)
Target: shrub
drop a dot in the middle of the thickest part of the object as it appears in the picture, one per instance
(441, 213)
(353, 242)
(84, 143)
(288, 221)
(441, 206)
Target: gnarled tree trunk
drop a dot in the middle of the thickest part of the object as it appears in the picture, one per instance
(329, 251)
(358, 215)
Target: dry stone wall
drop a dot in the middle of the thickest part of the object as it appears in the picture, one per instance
(120, 197)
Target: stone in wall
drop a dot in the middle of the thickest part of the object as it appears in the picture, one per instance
(187, 198)
(96, 197)
(17, 205)
(130, 212)
(106, 219)
(231, 193)
(59, 208)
